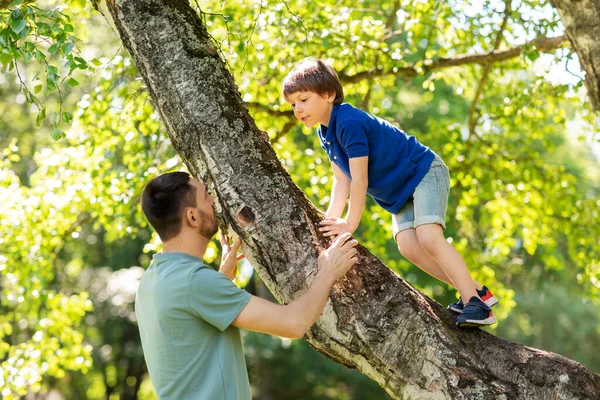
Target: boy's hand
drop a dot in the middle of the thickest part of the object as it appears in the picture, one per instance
(230, 258)
(332, 226)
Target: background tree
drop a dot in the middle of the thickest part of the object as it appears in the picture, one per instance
(533, 247)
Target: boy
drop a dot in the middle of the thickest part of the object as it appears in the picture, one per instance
(406, 178)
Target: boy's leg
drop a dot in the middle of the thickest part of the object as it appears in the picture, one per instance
(411, 249)
(430, 200)
(408, 244)
(432, 240)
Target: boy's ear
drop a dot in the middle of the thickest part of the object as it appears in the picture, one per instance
(330, 97)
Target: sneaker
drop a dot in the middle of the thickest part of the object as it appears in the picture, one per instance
(486, 296)
(475, 313)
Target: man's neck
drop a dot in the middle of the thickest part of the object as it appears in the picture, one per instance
(194, 246)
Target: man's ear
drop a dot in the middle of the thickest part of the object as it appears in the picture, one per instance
(192, 217)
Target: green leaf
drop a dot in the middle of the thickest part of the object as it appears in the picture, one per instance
(16, 3)
(96, 62)
(66, 48)
(17, 25)
(72, 82)
(67, 117)
(43, 29)
(53, 49)
(24, 32)
(51, 70)
(68, 28)
(5, 58)
(41, 116)
(57, 134)
(37, 89)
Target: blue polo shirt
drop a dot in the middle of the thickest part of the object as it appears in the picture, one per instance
(397, 161)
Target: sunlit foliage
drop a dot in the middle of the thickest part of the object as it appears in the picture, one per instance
(516, 132)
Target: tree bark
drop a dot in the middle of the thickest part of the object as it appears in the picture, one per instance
(374, 321)
(581, 19)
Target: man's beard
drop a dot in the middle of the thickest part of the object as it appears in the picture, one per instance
(208, 226)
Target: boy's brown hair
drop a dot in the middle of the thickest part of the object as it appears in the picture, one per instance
(312, 75)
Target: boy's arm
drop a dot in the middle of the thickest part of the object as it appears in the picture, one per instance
(359, 167)
(339, 192)
(294, 319)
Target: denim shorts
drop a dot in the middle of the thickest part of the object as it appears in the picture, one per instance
(429, 201)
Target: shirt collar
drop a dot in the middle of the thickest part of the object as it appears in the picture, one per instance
(327, 134)
(159, 258)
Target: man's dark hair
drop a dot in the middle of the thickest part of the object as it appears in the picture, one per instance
(313, 76)
(163, 201)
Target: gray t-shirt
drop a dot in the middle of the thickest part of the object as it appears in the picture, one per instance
(184, 311)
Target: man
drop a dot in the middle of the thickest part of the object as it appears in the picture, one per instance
(189, 314)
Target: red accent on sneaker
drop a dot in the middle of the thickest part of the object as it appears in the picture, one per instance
(488, 295)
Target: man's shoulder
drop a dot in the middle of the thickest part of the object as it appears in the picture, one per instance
(207, 279)
(178, 268)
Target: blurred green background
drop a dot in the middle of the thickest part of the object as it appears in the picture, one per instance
(80, 138)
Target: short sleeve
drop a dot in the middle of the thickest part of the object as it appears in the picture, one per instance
(352, 136)
(215, 298)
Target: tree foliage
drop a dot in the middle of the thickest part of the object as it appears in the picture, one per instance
(489, 87)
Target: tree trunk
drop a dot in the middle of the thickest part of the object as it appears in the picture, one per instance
(581, 19)
(373, 321)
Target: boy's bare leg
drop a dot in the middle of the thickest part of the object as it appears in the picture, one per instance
(432, 240)
(411, 249)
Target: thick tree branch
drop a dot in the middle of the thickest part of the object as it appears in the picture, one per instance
(374, 321)
(542, 44)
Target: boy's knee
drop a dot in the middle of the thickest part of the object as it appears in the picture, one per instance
(430, 243)
(407, 245)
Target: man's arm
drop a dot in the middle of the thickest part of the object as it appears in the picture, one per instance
(294, 319)
(339, 192)
(229, 256)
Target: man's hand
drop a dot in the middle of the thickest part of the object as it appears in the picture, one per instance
(332, 226)
(339, 257)
(294, 319)
(230, 258)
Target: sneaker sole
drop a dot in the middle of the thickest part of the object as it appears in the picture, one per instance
(491, 302)
(473, 322)
(456, 310)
